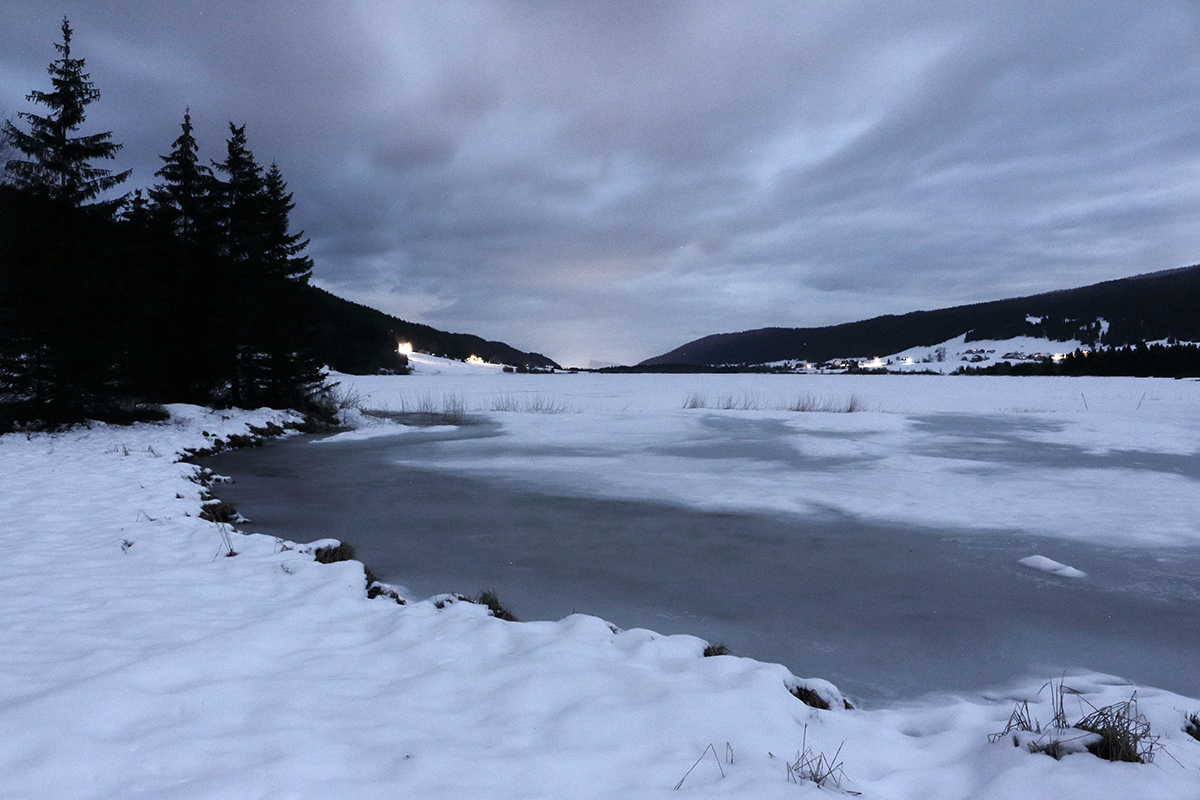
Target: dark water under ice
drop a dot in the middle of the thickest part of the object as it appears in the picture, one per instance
(883, 611)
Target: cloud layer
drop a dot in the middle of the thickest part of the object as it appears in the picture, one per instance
(609, 179)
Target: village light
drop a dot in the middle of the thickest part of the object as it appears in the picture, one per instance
(404, 348)
(474, 360)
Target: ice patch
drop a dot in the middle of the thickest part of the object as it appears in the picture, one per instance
(381, 428)
(1052, 566)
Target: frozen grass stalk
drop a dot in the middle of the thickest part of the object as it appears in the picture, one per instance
(226, 542)
(816, 767)
(729, 753)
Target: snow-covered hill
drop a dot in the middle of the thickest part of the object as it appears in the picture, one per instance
(1156, 306)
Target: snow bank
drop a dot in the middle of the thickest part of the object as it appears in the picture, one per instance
(141, 659)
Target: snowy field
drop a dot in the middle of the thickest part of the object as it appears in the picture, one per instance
(140, 660)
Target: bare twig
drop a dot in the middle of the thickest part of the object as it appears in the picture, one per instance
(698, 760)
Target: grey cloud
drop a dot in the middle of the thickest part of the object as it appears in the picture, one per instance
(604, 179)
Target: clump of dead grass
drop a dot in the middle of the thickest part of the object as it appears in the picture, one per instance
(428, 410)
(727, 402)
(1192, 726)
(488, 598)
(809, 697)
(534, 404)
(807, 403)
(804, 403)
(824, 771)
(333, 553)
(1116, 732)
(219, 511)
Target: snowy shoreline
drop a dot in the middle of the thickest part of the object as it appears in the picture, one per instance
(139, 659)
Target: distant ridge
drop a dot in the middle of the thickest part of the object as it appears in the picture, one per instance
(359, 340)
(1150, 307)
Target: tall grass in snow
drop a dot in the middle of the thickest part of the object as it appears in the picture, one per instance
(804, 402)
(535, 404)
(427, 409)
(807, 402)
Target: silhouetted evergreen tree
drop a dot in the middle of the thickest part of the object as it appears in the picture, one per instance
(288, 326)
(7, 152)
(282, 251)
(58, 349)
(238, 221)
(181, 236)
(59, 163)
(269, 353)
(197, 293)
(184, 200)
(241, 196)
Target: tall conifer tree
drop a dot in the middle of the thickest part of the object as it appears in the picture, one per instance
(242, 197)
(59, 162)
(183, 201)
(293, 373)
(269, 359)
(58, 278)
(283, 249)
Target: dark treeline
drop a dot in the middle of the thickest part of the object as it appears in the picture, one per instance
(195, 293)
(360, 340)
(1140, 360)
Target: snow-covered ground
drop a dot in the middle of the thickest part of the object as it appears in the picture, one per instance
(140, 660)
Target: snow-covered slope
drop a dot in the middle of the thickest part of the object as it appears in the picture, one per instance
(435, 365)
(958, 352)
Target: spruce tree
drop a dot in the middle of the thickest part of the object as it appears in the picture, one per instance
(268, 353)
(242, 198)
(59, 162)
(293, 372)
(181, 239)
(183, 201)
(60, 280)
(282, 249)
(238, 213)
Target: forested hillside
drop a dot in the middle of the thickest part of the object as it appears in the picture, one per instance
(359, 340)
(1157, 306)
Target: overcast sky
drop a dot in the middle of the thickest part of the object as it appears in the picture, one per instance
(609, 180)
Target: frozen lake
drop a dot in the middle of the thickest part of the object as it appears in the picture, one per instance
(879, 550)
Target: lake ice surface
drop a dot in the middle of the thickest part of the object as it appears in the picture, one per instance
(884, 604)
